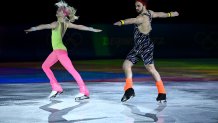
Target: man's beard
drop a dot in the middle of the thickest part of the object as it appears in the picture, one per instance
(140, 11)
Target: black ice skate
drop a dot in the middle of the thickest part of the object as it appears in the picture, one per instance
(161, 97)
(129, 93)
(81, 97)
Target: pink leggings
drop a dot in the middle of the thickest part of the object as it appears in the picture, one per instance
(62, 56)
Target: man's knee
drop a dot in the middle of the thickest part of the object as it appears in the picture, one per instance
(151, 68)
(127, 66)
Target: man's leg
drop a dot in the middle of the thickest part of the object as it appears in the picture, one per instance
(127, 68)
(159, 84)
(128, 88)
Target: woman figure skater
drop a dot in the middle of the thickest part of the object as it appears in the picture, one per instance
(65, 17)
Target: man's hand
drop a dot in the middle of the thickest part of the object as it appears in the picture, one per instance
(118, 23)
(174, 14)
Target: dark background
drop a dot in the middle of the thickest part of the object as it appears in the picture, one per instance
(106, 11)
(191, 35)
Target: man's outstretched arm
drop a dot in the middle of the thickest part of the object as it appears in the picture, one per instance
(164, 14)
(137, 20)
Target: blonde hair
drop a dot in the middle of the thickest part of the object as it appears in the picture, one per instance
(69, 11)
(72, 14)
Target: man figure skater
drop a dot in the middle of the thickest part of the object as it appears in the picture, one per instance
(143, 48)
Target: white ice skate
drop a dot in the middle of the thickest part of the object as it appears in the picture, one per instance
(53, 94)
(80, 97)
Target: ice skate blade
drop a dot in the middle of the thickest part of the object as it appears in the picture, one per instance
(54, 94)
(83, 98)
(162, 101)
(124, 99)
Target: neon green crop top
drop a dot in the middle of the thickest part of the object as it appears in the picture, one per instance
(56, 37)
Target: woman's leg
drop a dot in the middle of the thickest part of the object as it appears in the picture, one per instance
(66, 62)
(46, 66)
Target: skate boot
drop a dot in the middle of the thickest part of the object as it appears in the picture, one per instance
(53, 94)
(80, 97)
(161, 97)
(129, 93)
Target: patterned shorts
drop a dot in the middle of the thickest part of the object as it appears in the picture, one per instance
(145, 53)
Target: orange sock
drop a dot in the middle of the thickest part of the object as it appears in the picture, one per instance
(160, 87)
(128, 83)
